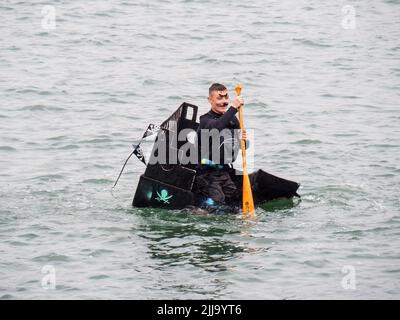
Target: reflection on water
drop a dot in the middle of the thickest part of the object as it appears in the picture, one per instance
(206, 251)
(199, 248)
(182, 239)
(280, 204)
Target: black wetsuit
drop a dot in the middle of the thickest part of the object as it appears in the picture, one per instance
(215, 181)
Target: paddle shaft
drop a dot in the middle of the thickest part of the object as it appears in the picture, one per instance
(243, 143)
(247, 197)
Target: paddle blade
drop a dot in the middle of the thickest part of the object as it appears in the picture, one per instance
(248, 203)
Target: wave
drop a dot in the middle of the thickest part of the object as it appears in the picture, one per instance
(7, 148)
(96, 140)
(311, 43)
(97, 181)
(69, 147)
(52, 257)
(41, 107)
(57, 138)
(307, 141)
(49, 177)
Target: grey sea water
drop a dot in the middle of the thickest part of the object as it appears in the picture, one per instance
(322, 89)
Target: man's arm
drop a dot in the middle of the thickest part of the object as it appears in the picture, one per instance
(220, 123)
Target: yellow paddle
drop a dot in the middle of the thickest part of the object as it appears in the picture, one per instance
(247, 201)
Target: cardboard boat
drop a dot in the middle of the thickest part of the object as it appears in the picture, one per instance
(173, 185)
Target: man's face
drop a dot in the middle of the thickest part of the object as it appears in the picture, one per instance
(219, 101)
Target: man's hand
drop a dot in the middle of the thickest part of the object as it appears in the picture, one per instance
(238, 102)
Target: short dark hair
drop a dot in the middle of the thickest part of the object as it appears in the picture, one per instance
(216, 87)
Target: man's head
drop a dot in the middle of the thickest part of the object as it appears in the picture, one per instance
(218, 97)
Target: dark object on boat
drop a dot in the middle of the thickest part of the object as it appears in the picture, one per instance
(172, 186)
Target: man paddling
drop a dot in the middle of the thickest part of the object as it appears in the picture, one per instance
(213, 179)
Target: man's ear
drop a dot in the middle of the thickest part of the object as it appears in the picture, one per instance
(209, 99)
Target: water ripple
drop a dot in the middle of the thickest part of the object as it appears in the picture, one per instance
(323, 103)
